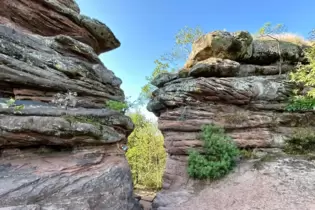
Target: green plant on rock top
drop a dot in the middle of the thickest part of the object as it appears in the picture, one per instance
(218, 157)
(269, 31)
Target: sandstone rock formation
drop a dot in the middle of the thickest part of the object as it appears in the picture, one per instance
(53, 157)
(231, 80)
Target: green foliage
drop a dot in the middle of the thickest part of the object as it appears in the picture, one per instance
(170, 62)
(301, 142)
(269, 30)
(312, 35)
(247, 153)
(11, 103)
(305, 74)
(301, 103)
(146, 154)
(160, 67)
(18, 108)
(218, 157)
(117, 105)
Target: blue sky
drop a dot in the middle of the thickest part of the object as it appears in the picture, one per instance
(146, 29)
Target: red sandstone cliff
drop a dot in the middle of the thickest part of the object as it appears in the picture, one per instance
(53, 157)
(233, 81)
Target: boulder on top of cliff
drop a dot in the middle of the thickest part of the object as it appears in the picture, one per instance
(240, 46)
(215, 67)
(42, 16)
(266, 52)
(163, 78)
(220, 44)
(35, 67)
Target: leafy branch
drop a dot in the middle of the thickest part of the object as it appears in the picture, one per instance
(271, 31)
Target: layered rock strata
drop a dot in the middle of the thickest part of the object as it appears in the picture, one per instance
(55, 157)
(233, 81)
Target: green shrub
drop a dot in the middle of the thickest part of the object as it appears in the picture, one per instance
(218, 157)
(301, 142)
(117, 105)
(301, 103)
(11, 103)
(247, 154)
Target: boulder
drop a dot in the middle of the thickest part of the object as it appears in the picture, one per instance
(220, 44)
(163, 78)
(266, 52)
(49, 178)
(215, 67)
(241, 47)
(27, 15)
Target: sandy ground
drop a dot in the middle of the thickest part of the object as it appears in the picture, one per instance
(286, 184)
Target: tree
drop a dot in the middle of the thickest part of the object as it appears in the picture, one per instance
(312, 35)
(146, 154)
(171, 61)
(271, 31)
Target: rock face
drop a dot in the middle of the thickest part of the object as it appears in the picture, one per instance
(55, 157)
(233, 81)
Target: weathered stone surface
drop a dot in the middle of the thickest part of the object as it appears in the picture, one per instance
(215, 67)
(66, 157)
(238, 90)
(266, 52)
(35, 67)
(53, 126)
(241, 47)
(255, 70)
(83, 179)
(163, 78)
(42, 16)
(220, 44)
(256, 129)
(23, 207)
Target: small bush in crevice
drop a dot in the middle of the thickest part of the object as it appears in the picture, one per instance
(301, 142)
(301, 103)
(237, 118)
(218, 157)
